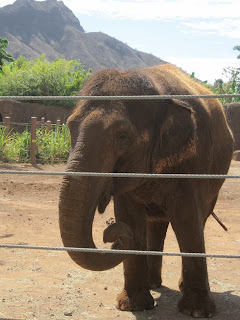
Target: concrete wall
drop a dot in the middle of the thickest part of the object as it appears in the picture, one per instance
(21, 112)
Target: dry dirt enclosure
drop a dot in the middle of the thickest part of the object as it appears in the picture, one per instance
(48, 285)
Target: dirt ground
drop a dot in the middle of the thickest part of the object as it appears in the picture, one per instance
(48, 285)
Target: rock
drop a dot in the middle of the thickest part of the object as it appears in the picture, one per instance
(236, 155)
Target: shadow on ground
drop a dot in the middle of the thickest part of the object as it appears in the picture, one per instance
(228, 306)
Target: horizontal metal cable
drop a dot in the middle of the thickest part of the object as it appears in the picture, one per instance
(129, 252)
(18, 124)
(125, 175)
(145, 97)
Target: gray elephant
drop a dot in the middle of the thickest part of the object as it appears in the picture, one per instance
(146, 136)
(232, 111)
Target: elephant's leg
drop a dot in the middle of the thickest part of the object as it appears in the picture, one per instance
(188, 225)
(135, 295)
(156, 233)
(180, 281)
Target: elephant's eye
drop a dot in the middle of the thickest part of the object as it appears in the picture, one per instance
(123, 140)
(123, 137)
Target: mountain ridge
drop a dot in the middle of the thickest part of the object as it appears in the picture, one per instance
(50, 27)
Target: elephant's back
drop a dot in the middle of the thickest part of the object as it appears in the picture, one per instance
(169, 79)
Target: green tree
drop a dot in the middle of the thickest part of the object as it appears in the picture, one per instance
(4, 56)
(231, 86)
(40, 77)
(238, 49)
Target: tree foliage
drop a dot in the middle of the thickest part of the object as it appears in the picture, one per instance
(238, 49)
(40, 77)
(231, 86)
(4, 56)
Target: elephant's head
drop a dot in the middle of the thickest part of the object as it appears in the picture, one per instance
(118, 136)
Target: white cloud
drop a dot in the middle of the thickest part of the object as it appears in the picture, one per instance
(213, 16)
(157, 9)
(209, 69)
(154, 9)
(222, 27)
(5, 2)
(219, 17)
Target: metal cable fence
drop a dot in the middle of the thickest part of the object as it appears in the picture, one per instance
(125, 175)
(114, 98)
(121, 175)
(127, 252)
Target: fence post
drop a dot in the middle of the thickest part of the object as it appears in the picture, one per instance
(42, 124)
(33, 140)
(7, 124)
(49, 125)
(58, 126)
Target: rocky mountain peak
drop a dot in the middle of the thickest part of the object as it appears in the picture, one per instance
(49, 27)
(47, 19)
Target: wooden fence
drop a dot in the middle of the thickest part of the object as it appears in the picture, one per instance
(33, 124)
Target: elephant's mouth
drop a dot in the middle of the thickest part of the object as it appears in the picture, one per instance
(103, 201)
(116, 187)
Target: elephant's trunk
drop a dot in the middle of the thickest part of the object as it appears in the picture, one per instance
(78, 201)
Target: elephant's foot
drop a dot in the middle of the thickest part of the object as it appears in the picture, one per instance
(197, 307)
(155, 285)
(154, 274)
(135, 301)
(180, 284)
(155, 282)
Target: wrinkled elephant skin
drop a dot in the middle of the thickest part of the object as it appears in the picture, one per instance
(146, 136)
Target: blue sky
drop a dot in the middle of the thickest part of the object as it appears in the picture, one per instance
(196, 35)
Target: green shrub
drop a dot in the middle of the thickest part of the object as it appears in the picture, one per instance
(42, 78)
(14, 147)
(52, 146)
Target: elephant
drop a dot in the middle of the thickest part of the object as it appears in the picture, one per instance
(171, 135)
(232, 111)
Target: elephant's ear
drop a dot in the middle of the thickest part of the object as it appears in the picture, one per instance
(175, 136)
